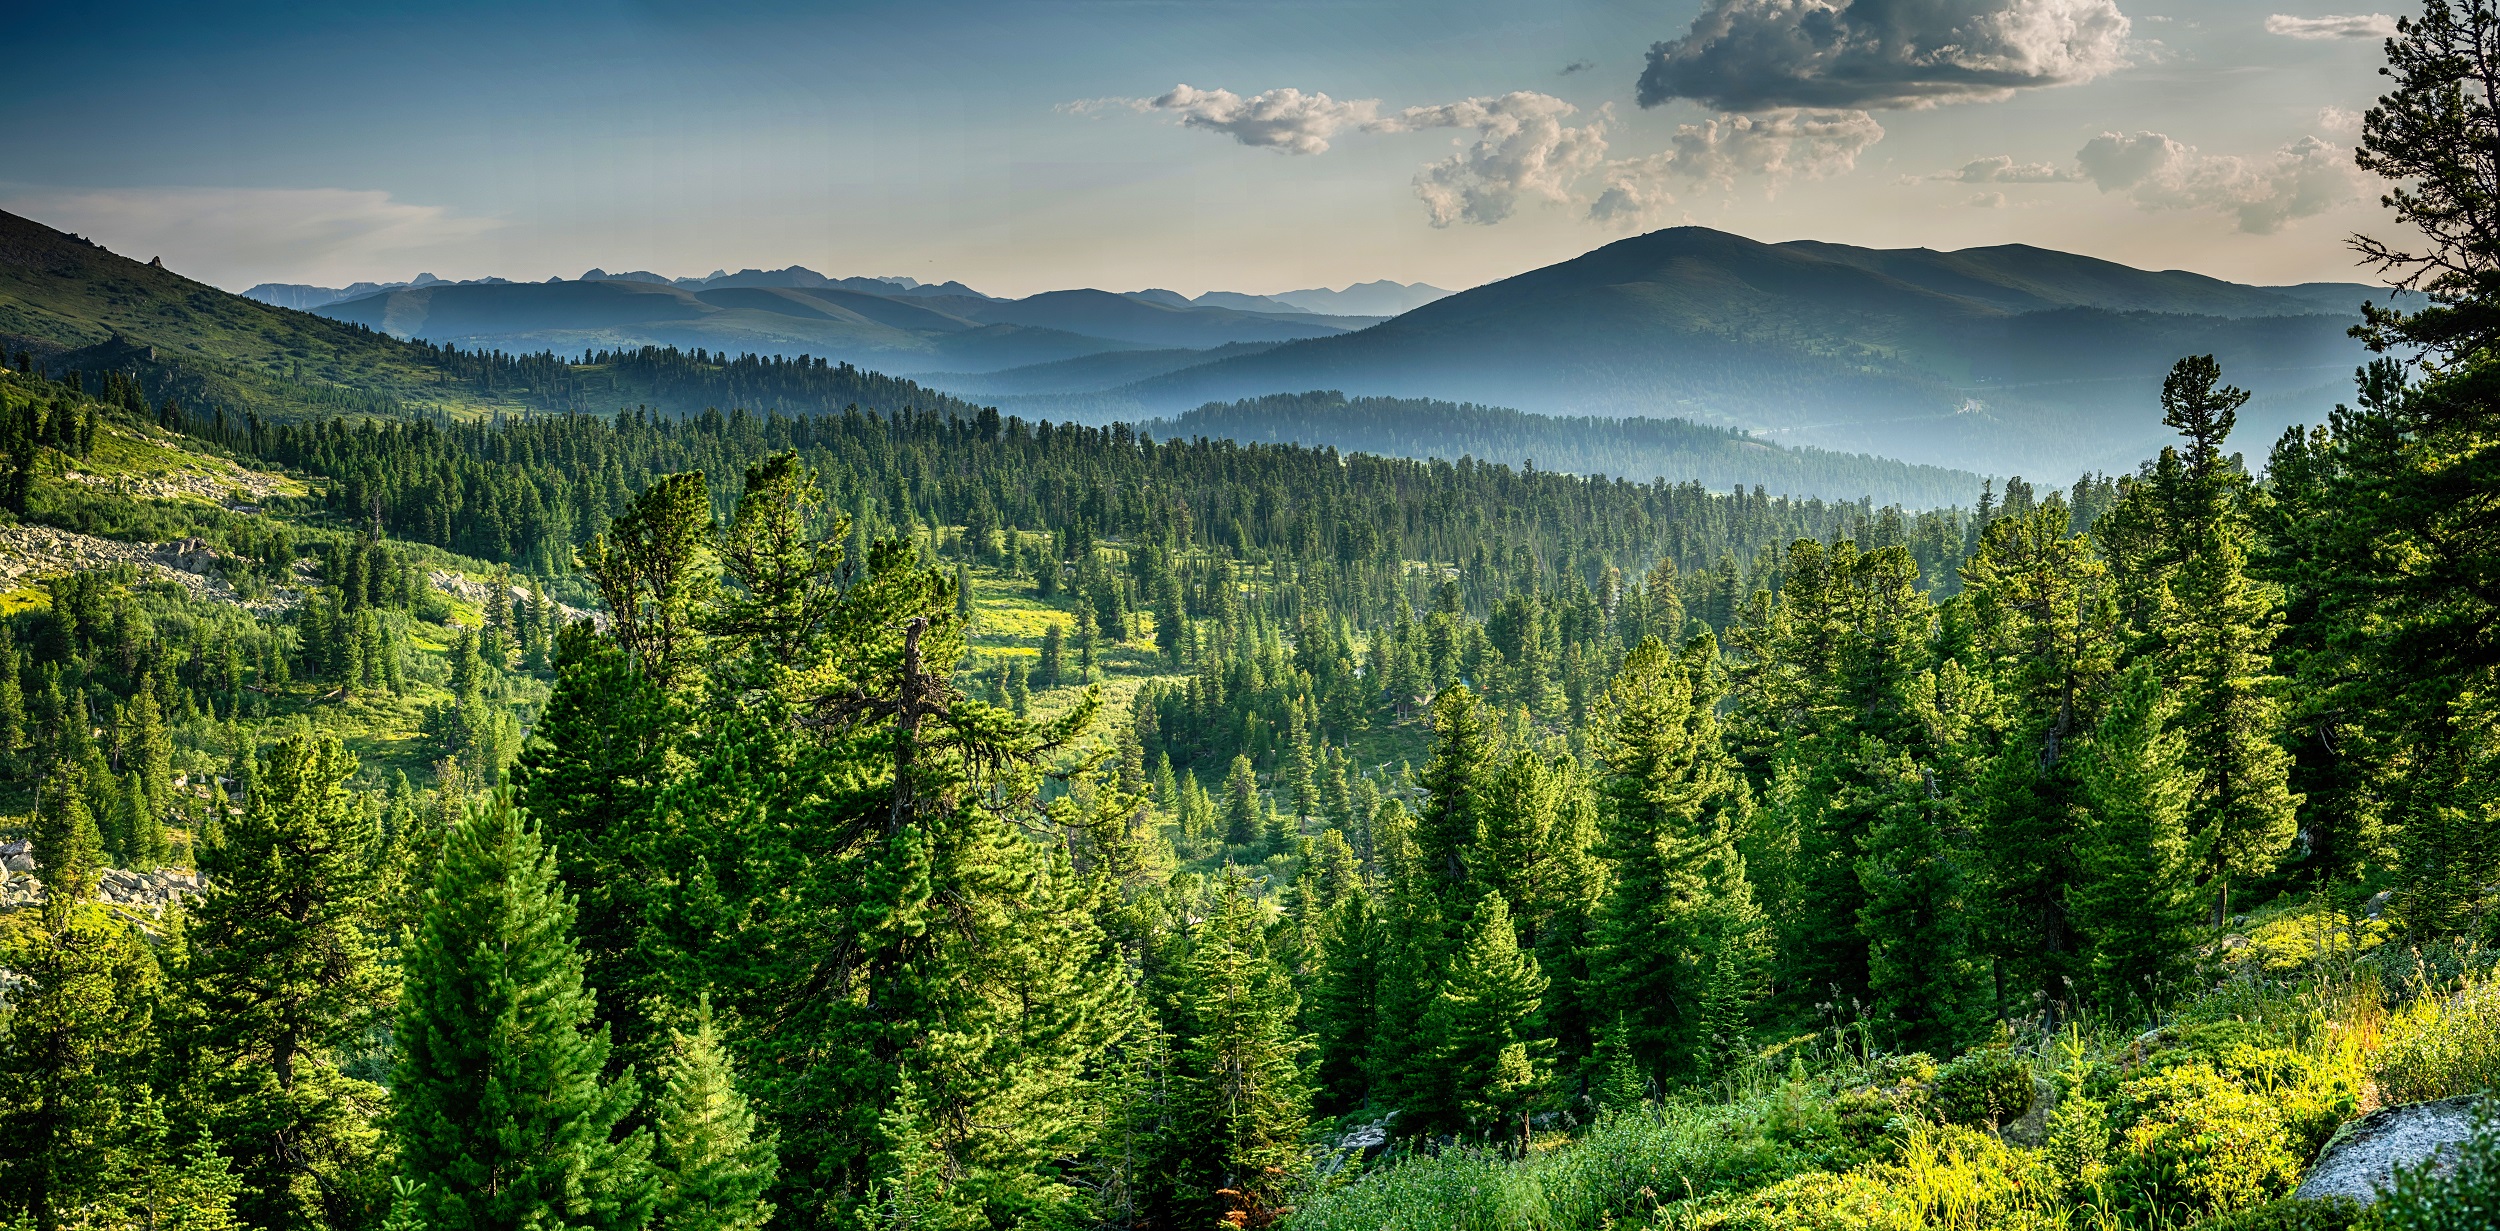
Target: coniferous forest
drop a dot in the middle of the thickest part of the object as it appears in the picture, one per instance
(800, 817)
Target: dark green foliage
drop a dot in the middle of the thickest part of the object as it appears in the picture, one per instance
(1986, 1087)
(499, 1107)
(1241, 1102)
(280, 978)
(712, 1162)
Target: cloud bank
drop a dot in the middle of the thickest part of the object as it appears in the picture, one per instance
(2000, 169)
(2300, 180)
(1755, 55)
(2358, 25)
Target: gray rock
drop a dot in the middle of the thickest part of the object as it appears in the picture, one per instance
(21, 863)
(2032, 1127)
(2361, 1159)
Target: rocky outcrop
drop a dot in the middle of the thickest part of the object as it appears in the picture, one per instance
(31, 553)
(470, 590)
(142, 896)
(2360, 1161)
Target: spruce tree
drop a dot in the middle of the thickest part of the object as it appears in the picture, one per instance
(1924, 967)
(595, 764)
(1245, 823)
(2135, 903)
(1235, 1150)
(1346, 1001)
(279, 980)
(1482, 1025)
(1679, 914)
(78, 1038)
(712, 1164)
(1454, 779)
(501, 1115)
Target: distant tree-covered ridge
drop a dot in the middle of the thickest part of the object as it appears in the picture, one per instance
(1634, 448)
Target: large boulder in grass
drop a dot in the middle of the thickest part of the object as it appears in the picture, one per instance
(2360, 1161)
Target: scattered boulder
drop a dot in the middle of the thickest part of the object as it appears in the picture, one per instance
(2360, 1161)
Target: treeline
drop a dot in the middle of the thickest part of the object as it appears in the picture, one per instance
(1638, 449)
(1350, 525)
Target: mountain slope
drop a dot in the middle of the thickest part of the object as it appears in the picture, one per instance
(2003, 359)
(74, 304)
(913, 329)
(1637, 449)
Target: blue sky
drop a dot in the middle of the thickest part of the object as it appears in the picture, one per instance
(1018, 145)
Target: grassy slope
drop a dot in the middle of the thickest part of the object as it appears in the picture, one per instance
(60, 295)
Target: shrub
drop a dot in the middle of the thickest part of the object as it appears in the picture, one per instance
(1985, 1088)
(1946, 1176)
(2192, 1143)
(2290, 1214)
(2442, 1047)
(1899, 1093)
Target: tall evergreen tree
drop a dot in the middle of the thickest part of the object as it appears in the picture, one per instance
(1453, 781)
(1678, 919)
(2135, 902)
(1235, 1151)
(499, 1108)
(713, 1164)
(1482, 1026)
(279, 981)
(77, 1038)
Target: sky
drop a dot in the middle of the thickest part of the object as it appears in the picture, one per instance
(1250, 145)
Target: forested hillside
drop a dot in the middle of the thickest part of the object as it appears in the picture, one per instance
(928, 819)
(1712, 457)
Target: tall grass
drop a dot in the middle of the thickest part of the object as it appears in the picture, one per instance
(2444, 1042)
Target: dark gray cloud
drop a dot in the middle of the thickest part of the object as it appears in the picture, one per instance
(1751, 55)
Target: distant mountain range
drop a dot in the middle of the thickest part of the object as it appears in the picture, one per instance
(2002, 359)
(894, 324)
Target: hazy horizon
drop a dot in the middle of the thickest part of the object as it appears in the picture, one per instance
(1028, 146)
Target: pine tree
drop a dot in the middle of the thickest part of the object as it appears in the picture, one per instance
(1244, 818)
(1462, 754)
(1481, 1026)
(14, 744)
(1678, 918)
(279, 980)
(2045, 625)
(2135, 903)
(712, 1164)
(1053, 664)
(1235, 1150)
(1346, 1001)
(78, 1042)
(2231, 713)
(1923, 966)
(1301, 774)
(590, 777)
(498, 1106)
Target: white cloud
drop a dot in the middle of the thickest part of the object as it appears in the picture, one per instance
(1751, 55)
(2357, 25)
(2000, 169)
(1774, 147)
(1778, 146)
(1526, 146)
(238, 236)
(1986, 200)
(2302, 179)
(1522, 148)
(1285, 119)
(2338, 120)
